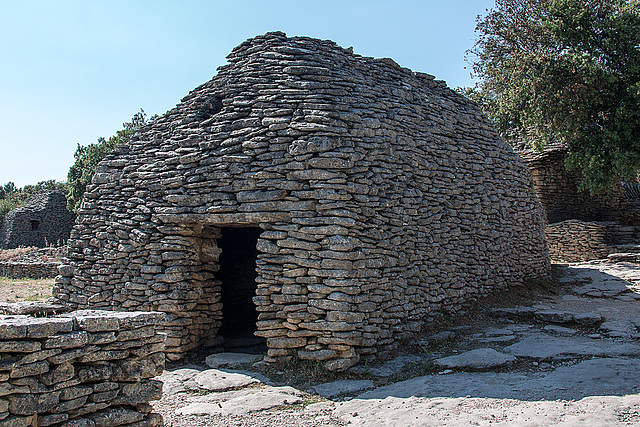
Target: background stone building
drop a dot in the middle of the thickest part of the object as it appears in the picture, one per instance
(558, 190)
(43, 221)
(328, 202)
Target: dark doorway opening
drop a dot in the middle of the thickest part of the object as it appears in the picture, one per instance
(238, 275)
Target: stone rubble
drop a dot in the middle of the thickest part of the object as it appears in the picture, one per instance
(382, 198)
(480, 358)
(339, 387)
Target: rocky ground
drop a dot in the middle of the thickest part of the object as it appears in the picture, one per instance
(567, 358)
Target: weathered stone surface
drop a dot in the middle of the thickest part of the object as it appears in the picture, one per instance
(217, 380)
(554, 316)
(541, 346)
(71, 340)
(116, 416)
(29, 404)
(337, 388)
(481, 358)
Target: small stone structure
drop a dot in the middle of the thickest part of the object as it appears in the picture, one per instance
(43, 221)
(86, 368)
(582, 226)
(330, 203)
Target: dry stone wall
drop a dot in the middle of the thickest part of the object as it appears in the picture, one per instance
(34, 270)
(85, 368)
(558, 191)
(382, 197)
(576, 241)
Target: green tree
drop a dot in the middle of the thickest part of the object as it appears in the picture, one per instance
(87, 158)
(8, 188)
(567, 71)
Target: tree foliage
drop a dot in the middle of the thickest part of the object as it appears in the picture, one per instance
(565, 71)
(12, 197)
(88, 156)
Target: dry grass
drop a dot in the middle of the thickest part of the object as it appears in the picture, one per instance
(16, 290)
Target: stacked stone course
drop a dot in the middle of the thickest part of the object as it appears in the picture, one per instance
(86, 368)
(558, 191)
(34, 270)
(384, 198)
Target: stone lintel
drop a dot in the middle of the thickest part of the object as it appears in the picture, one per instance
(229, 219)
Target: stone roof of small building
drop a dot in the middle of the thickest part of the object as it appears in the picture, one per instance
(380, 197)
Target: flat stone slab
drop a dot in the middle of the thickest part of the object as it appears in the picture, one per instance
(242, 403)
(463, 411)
(261, 400)
(336, 388)
(174, 382)
(542, 346)
(602, 285)
(618, 328)
(200, 408)
(587, 319)
(553, 316)
(231, 360)
(497, 332)
(595, 377)
(481, 358)
(559, 330)
(218, 380)
(393, 366)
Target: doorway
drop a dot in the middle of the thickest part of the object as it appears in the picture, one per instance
(238, 275)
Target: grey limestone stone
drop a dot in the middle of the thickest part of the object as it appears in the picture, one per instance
(376, 193)
(481, 358)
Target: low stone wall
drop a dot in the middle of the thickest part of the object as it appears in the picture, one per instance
(574, 241)
(34, 270)
(86, 369)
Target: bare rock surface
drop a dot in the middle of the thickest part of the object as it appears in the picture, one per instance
(414, 412)
(231, 360)
(219, 380)
(518, 367)
(336, 388)
(244, 402)
(543, 346)
(481, 358)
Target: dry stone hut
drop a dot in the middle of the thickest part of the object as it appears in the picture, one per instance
(558, 191)
(328, 202)
(44, 220)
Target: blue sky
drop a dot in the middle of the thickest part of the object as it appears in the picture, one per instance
(72, 71)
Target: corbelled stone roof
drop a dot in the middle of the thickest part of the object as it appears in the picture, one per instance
(382, 199)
